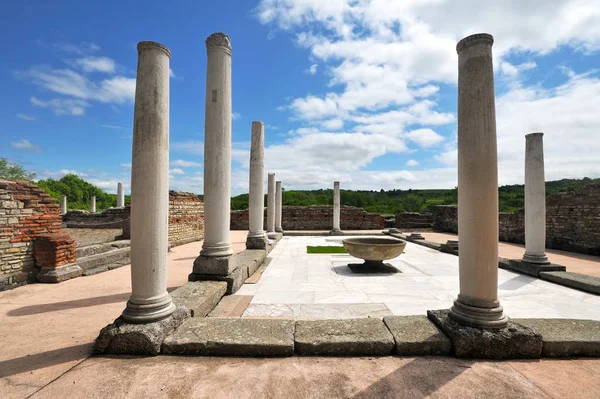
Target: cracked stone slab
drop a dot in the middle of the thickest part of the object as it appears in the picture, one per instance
(566, 337)
(578, 281)
(59, 274)
(232, 337)
(138, 339)
(417, 336)
(350, 337)
(515, 341)
(200, 297)
(533, 269)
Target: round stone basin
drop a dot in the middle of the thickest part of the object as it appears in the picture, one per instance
(374, 249)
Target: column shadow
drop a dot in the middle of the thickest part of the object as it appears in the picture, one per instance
(44, 359)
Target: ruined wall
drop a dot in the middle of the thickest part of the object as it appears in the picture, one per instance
(315, 217)
(112, 218)
(26, 212)
(186, 218)
(413, 220)
(572, 221)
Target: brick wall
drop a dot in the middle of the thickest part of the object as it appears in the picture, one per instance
(26, 212)
(186, 218)
(572, 221)
(413, 220)
(315, 218)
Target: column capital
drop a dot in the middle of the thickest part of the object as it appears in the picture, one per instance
(533, 135)
(149, 45)
(218, 40)
(478, 38)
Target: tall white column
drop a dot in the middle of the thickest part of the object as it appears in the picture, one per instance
(257, 238)
(477, 304)
(336, 208)
(278, 207)
(535, 200)
(271, 206)
(150, 300)
(63, 205)
(217, 148)
(120, 196)
(93, 204)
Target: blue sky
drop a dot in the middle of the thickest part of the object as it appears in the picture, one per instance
(361, 91)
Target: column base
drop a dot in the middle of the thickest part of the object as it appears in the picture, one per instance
(215, 265)
(257, 242)
(148, 311)
(217, 250)
(533, 269)
(279, 231)
(537, 259)
(272, 235)
(336, 232)
(478, 317)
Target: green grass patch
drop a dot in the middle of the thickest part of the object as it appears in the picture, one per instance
(325, 249)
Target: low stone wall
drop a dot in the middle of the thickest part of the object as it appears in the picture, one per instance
(26, 213)
(186, 218)
(413, 220)
(315, 218)
(572, 221)
(112, 218)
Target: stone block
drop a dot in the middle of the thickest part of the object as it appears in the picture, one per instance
(566, 337)
(217, 265)
(200, 297)
(58, 274)
(417, 336)
(232, 337)
(511, 342)
(257, 242)
(533, 269)
(349, 337)
(138, 339)
(578, 281)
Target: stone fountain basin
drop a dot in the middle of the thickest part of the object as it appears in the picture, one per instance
(375, 249)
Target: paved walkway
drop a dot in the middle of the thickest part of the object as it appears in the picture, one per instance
(321, 286)
(47, 330)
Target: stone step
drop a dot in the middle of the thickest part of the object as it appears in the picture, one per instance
(104, 261)
(94, 249)
(199, 297)
(231, 306)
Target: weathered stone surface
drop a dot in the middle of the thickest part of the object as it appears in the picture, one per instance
(578, 281)
(200, 297)
(413, 220)
(350, 337)
(138, 339)
(58, 274)
(217, 265)
(566, 337)
(118, 255)
(257, 242)
(232, 337)
(512, 342)
(417, 336)
(533, 269)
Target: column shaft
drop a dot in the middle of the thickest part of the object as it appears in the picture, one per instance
(63, 205)
(535, 200)
(477, 304)
(120, 196)
(271, 205)
(257, 238)
(336, 207)
(93, 204)
(217, 148)
(278, 207)
(150, 188)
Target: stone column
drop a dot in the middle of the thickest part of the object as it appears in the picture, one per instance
(257, 239)
(535, 200)
(336, 208)
(477, 304)
(271, 202)
(278, 207)
(216, 251)
(150, 300)
(63, 205)
(120, 196)
(93, 204)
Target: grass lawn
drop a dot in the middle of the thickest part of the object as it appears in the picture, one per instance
(325, 249)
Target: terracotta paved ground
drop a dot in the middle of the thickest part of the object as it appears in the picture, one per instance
(46, 332)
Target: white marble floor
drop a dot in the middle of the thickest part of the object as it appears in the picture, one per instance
(319, 286)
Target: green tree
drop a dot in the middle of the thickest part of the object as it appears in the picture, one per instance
(78, 192)
(14, 171)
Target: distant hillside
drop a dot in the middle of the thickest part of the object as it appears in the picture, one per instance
(390, 202)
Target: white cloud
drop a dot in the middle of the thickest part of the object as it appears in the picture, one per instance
(126, 165)
(96, 64)
(235, 115)
(171, 73)
(186, 164)
(312, 70)
(26, 117)
(193, 147)
(61, 106)
(26, 145)
(176, 171)
(82, 48)
(412, 162)
(112, 127)
(424, 137)
(332, 124)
